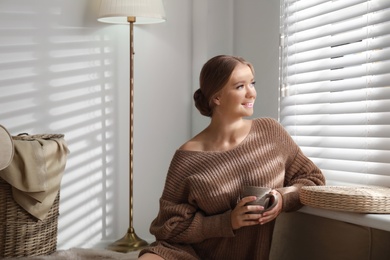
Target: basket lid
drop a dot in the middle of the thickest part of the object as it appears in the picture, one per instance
(6, 148)
(358, 199)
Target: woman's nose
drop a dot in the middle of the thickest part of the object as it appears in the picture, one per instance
(251, 91)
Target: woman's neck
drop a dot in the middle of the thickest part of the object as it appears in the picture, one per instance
(224, 135)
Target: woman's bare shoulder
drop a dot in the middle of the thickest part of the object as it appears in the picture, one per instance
(191, 145)
(194, 144)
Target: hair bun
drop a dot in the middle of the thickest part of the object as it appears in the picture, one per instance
(201, 103)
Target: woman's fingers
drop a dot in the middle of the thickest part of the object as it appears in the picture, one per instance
(270, 215)
(246, 215)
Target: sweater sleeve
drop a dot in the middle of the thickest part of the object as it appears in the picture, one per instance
(182, 223)
(300, 171)
(179, 219)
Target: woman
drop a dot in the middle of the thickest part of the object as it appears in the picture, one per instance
(200, 215)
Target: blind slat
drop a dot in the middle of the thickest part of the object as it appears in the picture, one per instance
(374, 81)
(324, 11)
(380, 131)
(340, 108)
(345, 154)
(340, 27)
(340, 39)
(338, 119)
(294, 6)
(350, 72)
(376, 96)
(353, 166)
(371, 143)
(354, 178)
(341, 62)
(331, 12)
(293, 56)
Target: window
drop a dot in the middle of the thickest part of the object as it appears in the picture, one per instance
(335, 86)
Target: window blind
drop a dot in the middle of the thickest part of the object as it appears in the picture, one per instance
(335, 86)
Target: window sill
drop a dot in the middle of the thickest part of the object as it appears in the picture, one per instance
(378, 221)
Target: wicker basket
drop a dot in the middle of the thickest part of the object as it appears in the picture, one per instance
(21, 234)
(358, 199)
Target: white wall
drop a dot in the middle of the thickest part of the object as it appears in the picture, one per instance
(212, 35)
(256, 37)
(63, 72)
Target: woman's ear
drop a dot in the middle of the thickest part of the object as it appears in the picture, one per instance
(217, 100)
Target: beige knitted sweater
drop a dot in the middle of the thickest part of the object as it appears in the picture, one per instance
(202, 188)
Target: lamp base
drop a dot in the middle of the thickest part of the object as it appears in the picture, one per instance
(129, 243)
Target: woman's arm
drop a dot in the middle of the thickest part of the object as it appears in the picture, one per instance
(300, 171)
(180, 220)
(184, 223)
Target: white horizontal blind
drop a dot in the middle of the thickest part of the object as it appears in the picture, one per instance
(335, 85)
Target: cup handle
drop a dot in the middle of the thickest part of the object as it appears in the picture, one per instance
(274, 201)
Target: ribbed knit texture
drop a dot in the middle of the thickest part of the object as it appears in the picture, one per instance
(202, 188)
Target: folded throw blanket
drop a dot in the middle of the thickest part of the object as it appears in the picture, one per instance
(36, 171)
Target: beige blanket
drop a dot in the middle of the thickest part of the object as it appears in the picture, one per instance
(35, 173)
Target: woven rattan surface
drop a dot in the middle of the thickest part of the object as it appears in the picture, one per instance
(32, 137)
(20, 233)
(359, 199)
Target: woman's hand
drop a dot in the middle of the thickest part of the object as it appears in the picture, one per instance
(242, 215)
(270, 215)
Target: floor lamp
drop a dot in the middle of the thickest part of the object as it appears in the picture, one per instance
(131, 12)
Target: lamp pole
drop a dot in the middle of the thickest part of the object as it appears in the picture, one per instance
(130, 242)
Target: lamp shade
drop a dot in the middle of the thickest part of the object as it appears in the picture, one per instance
(145, 11)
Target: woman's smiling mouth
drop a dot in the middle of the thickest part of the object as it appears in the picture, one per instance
(248, 104)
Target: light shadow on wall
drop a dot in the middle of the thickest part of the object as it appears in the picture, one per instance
(58, 80)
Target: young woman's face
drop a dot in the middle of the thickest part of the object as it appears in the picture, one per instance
(238, 96)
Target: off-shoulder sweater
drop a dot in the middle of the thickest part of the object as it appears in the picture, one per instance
(202, 187)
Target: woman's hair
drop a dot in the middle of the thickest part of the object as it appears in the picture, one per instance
(213, 77)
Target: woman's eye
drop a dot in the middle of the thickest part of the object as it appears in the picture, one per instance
(240, 86)
(253, 83)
